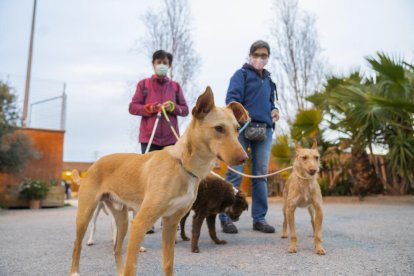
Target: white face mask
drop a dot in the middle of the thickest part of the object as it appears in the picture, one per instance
(258, 63)
(161, 70)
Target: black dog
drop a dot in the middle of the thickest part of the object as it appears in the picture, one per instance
(215, 195)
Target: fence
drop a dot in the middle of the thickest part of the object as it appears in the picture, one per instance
(343, 172)
(47, 101)
(331, 175)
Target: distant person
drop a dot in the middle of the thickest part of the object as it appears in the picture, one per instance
(152, 93)
(253, 88)
(68, 190)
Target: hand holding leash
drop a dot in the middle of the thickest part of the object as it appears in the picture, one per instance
(169, 106)
(151, 108)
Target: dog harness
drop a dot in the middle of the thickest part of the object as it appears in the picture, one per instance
(187, 171)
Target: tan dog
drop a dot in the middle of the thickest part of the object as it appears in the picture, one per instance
(161, 183)
(302, 190)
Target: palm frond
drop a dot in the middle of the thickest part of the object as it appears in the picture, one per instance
(390, 67)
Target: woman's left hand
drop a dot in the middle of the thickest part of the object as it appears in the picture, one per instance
(167, 105)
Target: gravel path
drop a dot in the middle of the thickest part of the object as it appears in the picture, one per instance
(360, 239)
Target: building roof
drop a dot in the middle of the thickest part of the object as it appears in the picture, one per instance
(80, 166)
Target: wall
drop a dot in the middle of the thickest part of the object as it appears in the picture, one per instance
(48, 167)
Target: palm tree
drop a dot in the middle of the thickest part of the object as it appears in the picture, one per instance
(306, 125)
(394, 91)
(368, 112)
(345, 108)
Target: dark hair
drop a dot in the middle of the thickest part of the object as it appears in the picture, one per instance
(161, 54)
(259, 44)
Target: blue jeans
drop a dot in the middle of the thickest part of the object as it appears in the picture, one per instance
(260, 152)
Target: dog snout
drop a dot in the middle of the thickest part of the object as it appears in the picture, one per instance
(312, 171)
(243, 158)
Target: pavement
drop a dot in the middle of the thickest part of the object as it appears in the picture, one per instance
(361, 238)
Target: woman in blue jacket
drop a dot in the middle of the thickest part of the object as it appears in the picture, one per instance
(253, 88)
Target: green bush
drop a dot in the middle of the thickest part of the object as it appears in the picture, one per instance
(323, 183)
(33, 189)
(342, 188)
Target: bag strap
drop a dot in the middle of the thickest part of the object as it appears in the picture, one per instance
(177, 95)
(244, 84)
(177, 90)
(145, 91)
(273, 90)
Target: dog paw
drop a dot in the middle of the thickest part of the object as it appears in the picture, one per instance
(185, 239)
(195, 250)
(142, 249)
(90, 242)
(292, 249)
(221, 242)
(320, 251)
(284, 236)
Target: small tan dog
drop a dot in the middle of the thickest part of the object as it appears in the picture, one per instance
(160, 183)
(302, 190)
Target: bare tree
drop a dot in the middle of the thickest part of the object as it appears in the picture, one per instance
(297, 59)
(170, 29)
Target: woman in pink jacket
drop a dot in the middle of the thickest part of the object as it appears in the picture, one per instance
(150, 94)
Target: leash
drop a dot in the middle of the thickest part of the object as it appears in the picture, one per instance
(153, 130)
(245, 125)
(258, 176)
(228, 167)
(169, 122)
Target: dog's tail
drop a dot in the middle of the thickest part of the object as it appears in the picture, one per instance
(75, 176)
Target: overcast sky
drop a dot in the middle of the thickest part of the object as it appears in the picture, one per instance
(90, 46)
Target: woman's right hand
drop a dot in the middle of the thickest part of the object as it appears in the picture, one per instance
(152, 108)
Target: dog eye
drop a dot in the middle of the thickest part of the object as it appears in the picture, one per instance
(304, 157)
(238, 129)
(219, 129)
(316, 157)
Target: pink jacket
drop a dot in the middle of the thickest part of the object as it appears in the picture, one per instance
(158, 91)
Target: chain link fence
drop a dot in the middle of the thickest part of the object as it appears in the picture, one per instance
(47, 101)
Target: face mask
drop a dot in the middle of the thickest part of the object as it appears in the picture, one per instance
(161, 70)
(258, 63)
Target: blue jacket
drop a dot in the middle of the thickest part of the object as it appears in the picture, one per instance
(257, 95)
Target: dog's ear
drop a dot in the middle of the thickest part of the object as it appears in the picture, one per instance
(315, 144)
(298, 146)
(205, 103)
(239, 112)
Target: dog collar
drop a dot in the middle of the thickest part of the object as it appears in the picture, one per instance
(306, 178)
(187, 171)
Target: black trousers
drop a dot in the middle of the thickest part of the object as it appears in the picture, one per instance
(152, 147)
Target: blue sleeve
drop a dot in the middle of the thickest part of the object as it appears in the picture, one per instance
(235, 92)
(273, 91)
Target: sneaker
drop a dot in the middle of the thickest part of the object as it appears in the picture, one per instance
(263, 227)
(228, 227)
(151, 231)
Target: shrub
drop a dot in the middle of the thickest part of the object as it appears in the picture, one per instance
(323, 183)
(33, 189)
(342, 188)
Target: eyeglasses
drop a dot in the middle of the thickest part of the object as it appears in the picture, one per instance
(262, 56)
